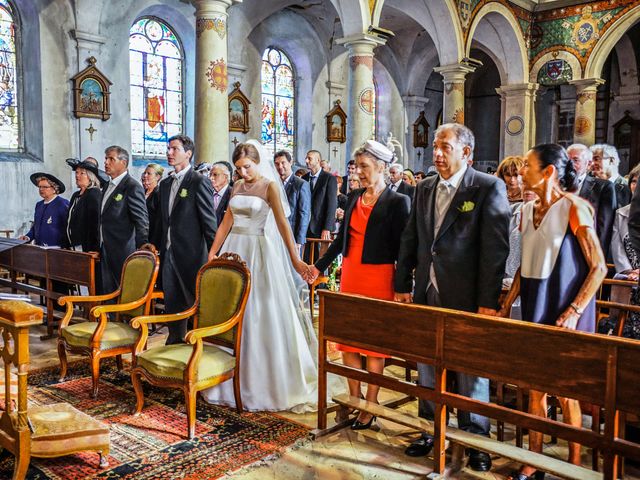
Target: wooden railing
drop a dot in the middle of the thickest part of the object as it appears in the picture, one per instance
(49, 264)
(597, 369)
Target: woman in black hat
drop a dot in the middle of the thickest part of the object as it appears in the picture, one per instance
(83, 226)
(50, 218)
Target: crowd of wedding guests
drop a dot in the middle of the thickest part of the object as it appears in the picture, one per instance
(543, 226)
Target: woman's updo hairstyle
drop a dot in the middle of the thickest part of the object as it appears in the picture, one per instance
(245, 150)
(556, 155)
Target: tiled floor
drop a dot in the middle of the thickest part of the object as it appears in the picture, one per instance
(370, 454)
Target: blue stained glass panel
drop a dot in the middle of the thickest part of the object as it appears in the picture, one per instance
(278, 101)
(9, 117)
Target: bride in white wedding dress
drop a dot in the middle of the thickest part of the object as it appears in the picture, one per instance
(279, 348)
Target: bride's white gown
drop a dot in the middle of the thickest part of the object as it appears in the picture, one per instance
(279, 349)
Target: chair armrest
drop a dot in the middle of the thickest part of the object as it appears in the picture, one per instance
(136, 322)
(157, 295)
(67, 299)
(119, 307)
(194, 335)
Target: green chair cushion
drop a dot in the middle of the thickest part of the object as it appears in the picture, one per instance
(221, 291)
(116, 334)
(170, 361)
(135, 280)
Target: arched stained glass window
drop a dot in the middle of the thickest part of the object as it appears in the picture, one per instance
(278, 100)
(156, 66)
(9, 112)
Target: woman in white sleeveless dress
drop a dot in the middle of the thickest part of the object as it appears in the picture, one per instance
(279, 351)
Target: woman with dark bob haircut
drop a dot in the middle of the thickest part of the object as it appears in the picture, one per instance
(561, 270)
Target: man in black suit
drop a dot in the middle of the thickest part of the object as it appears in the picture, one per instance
(298, 194)
(457, 240)
(604, 165)
(124, 221)
(396, 183)
(600, 193)
(187, 227)
(351, 170)
(220, 176)
(324, 200)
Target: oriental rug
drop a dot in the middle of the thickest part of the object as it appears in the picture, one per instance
(154, 445)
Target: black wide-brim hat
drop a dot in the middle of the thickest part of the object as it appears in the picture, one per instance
(75, 164)
(35, 176)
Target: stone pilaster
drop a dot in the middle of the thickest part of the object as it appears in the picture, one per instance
(453, 96)
(518, 119)
(360, 119)
(584, 130)
(413, 105)
(212, 109)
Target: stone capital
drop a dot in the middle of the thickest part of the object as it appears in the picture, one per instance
(454, 73)
(415, 101)
(587, 84)
(88, 40)
(206, 8)
(335, 87)
(519, 90)
(362, 44)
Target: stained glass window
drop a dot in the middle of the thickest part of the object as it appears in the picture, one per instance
(278, 96)
(155, 60)
(9, 118)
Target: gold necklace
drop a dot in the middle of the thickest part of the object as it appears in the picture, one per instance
(371, 202)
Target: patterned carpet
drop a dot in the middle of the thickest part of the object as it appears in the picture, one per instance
(154, 445)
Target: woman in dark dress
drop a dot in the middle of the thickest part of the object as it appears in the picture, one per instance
(369, 240)
(50, 216)
(150, 179)
(561, 270)
(83, 226)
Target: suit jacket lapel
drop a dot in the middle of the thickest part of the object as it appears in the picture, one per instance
(186, 183)
(430, 201)
(587, 187)
(466, 191)
(165, 191)
(115, 192)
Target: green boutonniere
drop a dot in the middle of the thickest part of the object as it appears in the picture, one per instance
(184, 193)
(118, 197)
(466, 207)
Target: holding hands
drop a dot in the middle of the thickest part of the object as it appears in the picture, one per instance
(309, 273)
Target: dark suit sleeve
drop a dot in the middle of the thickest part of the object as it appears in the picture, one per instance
(494, 245)
(304, 213)
(138, 214)
(336, 246)
(400, 215)
(408, 254)
(332, 204)
(634, 220)
(94, 202)
(606, 215)
(206, 210)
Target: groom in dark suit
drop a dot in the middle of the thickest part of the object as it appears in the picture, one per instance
(187, 227)
(298, 195)
(457, 240)
(124, 221)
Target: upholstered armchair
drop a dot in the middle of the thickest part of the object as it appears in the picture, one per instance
(109, 337)
(222, 289)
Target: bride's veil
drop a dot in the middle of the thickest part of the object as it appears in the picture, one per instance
(294, 281)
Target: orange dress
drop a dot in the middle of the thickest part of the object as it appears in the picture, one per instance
(369, 280)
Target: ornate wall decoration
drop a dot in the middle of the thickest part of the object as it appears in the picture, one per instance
(364, 60)
(514, 125)
(217, 75)
(464, 13)
(458, 117)
(585, 30)
(91, 92)
(555, 72)
(366, 100)
(586, 96)
(238, 110)
(336, 124)
(583, 125)
(218, 24)
(453, 87)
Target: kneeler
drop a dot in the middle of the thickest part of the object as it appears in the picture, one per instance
(44, 431)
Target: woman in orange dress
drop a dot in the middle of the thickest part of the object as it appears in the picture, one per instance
(369, 240)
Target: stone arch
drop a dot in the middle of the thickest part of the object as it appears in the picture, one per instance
(496, 28)
(608, 40)
(568, 57)
(354, 16)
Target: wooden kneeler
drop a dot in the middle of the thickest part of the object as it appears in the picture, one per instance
(44, 431)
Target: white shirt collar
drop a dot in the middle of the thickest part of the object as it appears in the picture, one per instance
(286, 180)
(48, 202)
(455, 179)
(116, 181)
(613, 179)
(397, 184)
(222, 190)
(180, 175)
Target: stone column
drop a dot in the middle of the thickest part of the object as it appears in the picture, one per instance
(212, 108)
(584, 130)
(413, 105)
(518, 119)
(360, 118)
(453, 96)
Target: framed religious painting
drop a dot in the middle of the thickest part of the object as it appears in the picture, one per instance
(420, 132)
(238, 110)
(336, 124)
(91, 93)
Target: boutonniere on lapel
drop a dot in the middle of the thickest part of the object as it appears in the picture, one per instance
(466, 207)
(118, 197)
(49, 221)
(183, 193)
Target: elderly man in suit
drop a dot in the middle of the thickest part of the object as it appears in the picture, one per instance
(600, 193)
(457, 240)
(324, 200)
(187, 228)
(604, 165)
(298, 194)
(220, 177)
(124, 221)
(396, 183)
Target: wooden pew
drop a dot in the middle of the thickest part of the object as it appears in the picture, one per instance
(50, 264)
(596, 369)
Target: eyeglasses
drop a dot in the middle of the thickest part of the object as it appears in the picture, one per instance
(44, 187)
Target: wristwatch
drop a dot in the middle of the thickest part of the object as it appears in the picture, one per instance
(578, 310)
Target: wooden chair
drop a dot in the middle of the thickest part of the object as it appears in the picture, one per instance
(323, 245)
(222, 289)
(107, 337)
